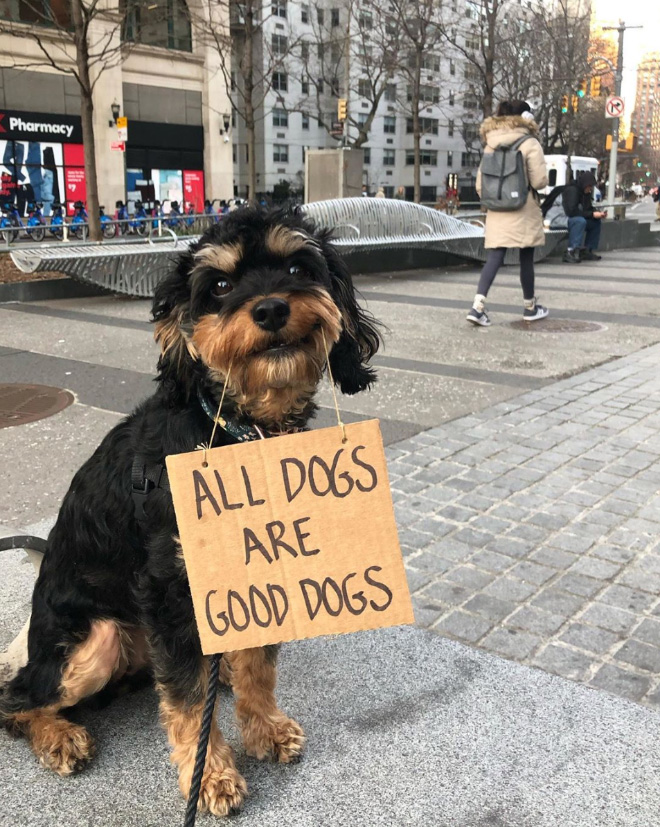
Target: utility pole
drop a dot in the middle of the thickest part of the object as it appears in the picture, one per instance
(347, 72)
(618, 78)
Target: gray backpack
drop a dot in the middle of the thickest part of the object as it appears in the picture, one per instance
(504, 185)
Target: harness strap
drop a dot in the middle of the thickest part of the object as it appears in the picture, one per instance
(145, 477)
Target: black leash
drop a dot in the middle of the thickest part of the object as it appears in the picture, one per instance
(25, 541)
(203, 743)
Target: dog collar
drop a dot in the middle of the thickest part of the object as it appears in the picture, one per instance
(236, 430)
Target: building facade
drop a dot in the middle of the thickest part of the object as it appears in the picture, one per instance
(645, 120)
(156, 72)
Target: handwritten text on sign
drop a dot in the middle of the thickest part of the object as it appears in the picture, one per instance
(290, 538)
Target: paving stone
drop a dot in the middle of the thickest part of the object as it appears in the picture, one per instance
(417, 579)
(449, 548)
(511, 643)
(473, 538)
(551, 521)
(511, 547)
(563, 661)
(648, 631)
(554, 557)
(426, 612)
(476, 502)
(490, 607)
(558, 602)
(448, 594)
(436, 528)
(637, 578)
(530, 533)
(506, 588)
(591, 638)
(626, 598)
(431, 563)
(619, 682)
(439, 494)
(640, 655)
(456, 513)
(536, 620)
(571, 542)
(409, 486)
(532, 572)
(465, 627)
(469, 577)
(616, 554)
(609, 617)
(491, 561)
(619, 506)
(577, 584)
(414, 539)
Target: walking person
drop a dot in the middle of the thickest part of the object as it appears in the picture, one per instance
(512, 226)
(656, 199)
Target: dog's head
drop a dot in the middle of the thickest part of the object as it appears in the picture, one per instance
(254, 300)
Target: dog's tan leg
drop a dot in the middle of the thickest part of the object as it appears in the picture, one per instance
(60, 745)
(223, 788)
(266, 730)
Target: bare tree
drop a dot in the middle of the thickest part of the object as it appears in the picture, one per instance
(351, 56)
(253, 63)
(82, 39)
(420, 39)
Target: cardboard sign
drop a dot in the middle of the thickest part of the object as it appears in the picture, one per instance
(290, 538)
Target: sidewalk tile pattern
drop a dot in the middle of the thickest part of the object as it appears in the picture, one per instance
(532, 529)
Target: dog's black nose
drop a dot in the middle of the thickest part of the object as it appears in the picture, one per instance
(271, 314)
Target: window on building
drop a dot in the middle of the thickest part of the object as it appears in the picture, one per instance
(280, 117)
(304, 14)
(40, 12)
(280, 44)
(452, 67)
(278, 8)
(428, 126)
(469, 159)
(450, 159)
(304, 87)
(450, 129)
(389, 125)
(319, 85)
(427, 157)
(319, 16)
(470, 101)
(320, 51)
(334, 17)
(305, 120)
(364, 53)
(280, 81)
(428, 93)
(366, 19)
(280, 153)
(232, 82)
(389, 157)
(364, 88)
(362, 118)
(164, 23)
(367, 155)
(233, 153)
(451, 99)
(304, 50)
(390, 93)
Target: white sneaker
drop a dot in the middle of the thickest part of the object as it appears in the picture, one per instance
(535, 312)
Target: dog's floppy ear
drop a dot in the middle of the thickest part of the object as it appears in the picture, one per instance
(359, 338)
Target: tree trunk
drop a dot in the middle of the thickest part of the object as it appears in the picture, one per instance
(87, 121)
(248, 79)
(416, 129)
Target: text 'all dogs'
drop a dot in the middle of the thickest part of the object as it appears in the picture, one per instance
(290, 538)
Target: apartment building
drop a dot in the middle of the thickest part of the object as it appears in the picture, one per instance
(645, 120)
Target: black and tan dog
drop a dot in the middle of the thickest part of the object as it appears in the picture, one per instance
(258, 294)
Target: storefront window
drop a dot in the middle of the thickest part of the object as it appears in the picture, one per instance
(39, 12)
(164, 23)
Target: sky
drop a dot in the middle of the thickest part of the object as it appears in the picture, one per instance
(637, 41)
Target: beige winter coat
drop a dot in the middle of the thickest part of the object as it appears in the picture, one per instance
(519, 228)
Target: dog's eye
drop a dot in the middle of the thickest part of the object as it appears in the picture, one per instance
(221, 288)
(297, 270)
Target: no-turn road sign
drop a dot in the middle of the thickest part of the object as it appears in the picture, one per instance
(615, 107)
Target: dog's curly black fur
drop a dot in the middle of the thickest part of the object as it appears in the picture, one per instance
(249, 304)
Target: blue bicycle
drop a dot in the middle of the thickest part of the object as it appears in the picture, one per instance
(57, 220)
(11, 223)
(79, 225)
(36, 228)
(108, 228)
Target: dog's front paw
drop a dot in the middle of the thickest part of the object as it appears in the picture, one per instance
(65, 748)
(222, 791)
(281, 738)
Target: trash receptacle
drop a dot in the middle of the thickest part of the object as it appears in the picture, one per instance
(619, 212)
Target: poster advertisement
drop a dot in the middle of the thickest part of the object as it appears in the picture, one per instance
(31, 171)
(193, 187)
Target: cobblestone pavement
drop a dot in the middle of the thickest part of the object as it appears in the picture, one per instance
(532, 529)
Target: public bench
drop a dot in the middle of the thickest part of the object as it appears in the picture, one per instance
(359, 224)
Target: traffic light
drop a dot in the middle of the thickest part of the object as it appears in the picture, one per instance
(564, 104)
(595, 86)
(575, 100)
(608, 143)
(631, 141)
(582, 89)
(342, 109)
(639, 163)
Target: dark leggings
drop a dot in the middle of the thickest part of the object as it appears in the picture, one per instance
(494, 262)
